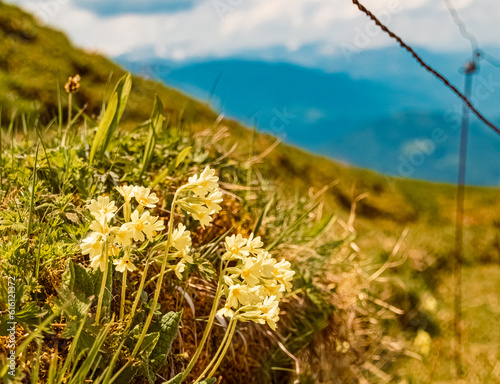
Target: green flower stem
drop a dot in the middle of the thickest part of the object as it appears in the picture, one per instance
(70, 110)
(223, 342)
(124, 291)
(160, 278)
(138, 295)
(211, 319)
(228, 343)
(126, 211)
(103, 283)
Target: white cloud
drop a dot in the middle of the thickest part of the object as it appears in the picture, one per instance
(219, 28)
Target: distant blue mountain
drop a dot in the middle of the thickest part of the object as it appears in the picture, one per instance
(379, 110)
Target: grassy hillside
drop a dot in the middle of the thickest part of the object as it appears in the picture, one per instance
(36, 61)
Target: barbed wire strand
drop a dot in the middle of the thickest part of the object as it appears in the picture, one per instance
(438, 75)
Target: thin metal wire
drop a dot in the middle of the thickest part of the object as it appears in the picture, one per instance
(466, 34)
(443, 79)
(461, 26)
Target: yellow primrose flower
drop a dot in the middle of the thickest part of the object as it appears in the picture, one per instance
(123, 236)
(270, 312)
(98, 262)
(181, 239)
(92, 245)
(184, 255)
(153, 226)
(255, 245)
(273, 290)
(238, 294)
(138, 224)
(267, 263)
(101, 227)
(212, 201)
(102, 208)
(423, 342)
(127, 191)
(205, 183)
(202, 214)
(235, 247)
(179, 268)
(250, 272)
(283, 273)
(124, 264)
(225, 311)
(145, 198)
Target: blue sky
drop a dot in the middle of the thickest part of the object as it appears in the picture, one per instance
(289, 30)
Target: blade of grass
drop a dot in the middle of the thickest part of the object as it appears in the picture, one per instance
(32, 199)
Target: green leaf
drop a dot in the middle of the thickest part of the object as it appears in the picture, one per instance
(122, 90)
(327, 248)
(169, 325)
(155, 124)
(175, 380)
(182, 156)
(104, 126)
(76, 279)
(212, 380)
(263, 215)
(147, 348)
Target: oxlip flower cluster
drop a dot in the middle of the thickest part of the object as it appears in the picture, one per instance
(137, 227)
(205, 198)
(254, 286)
(113, 239)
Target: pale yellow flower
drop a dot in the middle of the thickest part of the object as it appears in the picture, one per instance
(184, 255)
(123, 236)
(423, 342)
(181, 239)
(144, 197)
(92, 245)
(238, 294)
(267, 263)
(270, 311)
(101, 227)
(225, 311)
(152, 227)
(255, 244)
(98, 262)
(178, 269)
(138, 224)
(124, 264)
(235, 247)
(202, 214)
(102, 208)
(274, 290)
(251, 271)
(212, 201)
(283, 273)
(205, 183)
(127, 191)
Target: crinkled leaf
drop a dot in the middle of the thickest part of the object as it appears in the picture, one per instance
(169, 326)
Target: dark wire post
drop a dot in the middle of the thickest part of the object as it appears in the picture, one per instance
(469, 70)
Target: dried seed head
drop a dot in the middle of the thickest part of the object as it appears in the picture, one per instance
(73, 84)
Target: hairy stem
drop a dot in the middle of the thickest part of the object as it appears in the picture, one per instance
(160, 278)
(124, 291)
(223, 353)
(211, 319)
(103, 283)
(221, 346)
(138, 295)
